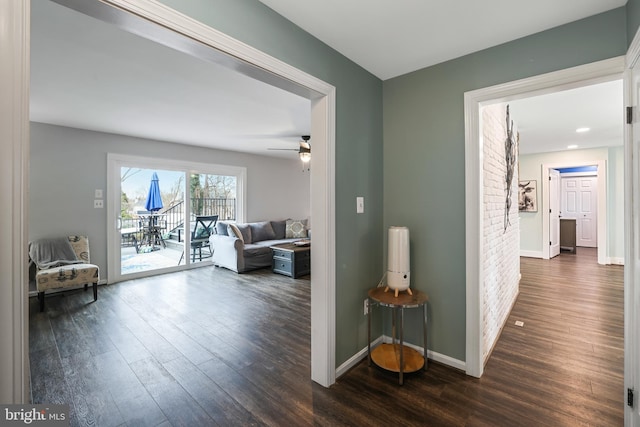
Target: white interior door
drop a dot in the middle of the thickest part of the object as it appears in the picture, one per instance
(554, 213)
(579, 201)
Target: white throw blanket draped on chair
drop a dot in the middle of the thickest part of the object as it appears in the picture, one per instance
(49, 253)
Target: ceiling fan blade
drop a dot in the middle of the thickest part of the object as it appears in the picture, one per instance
(283, 149)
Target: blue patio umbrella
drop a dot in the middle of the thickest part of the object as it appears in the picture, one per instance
(154, 200)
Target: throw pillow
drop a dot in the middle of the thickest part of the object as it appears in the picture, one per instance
(201, 233)
(296, 228)
(232, 228)
(279, 228)
(246, 232)
(222, 228)
(261, 231)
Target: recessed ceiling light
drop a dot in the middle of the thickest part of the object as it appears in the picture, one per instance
(582, 130)
(572, 146)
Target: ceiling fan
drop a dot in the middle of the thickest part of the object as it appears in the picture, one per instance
(304, 151)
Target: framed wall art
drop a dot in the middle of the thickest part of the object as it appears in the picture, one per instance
(528, 196)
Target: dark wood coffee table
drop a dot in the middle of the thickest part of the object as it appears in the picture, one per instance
(291, 260)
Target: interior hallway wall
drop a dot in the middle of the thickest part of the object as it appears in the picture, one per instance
(501, 234)
(424, 153)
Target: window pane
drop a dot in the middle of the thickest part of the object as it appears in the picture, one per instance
(150, 228)
(213, 195)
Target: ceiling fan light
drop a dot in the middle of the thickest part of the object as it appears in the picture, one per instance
(305, 157)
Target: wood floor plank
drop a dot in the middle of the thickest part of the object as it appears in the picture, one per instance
(221, 407)
(93, 403)
(176, 404)
(212, 347)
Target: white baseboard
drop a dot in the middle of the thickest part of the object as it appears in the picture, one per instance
(355, 359)
(615, 261)
(447, 360)
(531, 254)
(437, 357)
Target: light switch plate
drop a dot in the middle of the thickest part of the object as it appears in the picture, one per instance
(359, 204)
(98, 194)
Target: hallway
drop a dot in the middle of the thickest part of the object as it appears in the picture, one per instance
(564, 367)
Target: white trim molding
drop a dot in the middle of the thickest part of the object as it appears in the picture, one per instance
(353, 361)
(14, 196)
(632, 237)
(601, 71)
(432, 355)
(531, 254)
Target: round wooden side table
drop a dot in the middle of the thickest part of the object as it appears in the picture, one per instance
(397, 357)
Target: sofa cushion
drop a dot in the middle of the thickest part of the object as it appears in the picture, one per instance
(261, 231)
(252, 249)
(279, 228)
(296, 228)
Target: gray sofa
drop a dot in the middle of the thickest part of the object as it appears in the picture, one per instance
(251, 250)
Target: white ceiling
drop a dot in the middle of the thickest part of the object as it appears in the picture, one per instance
(549, 122)
(88, 74)
(390, 38)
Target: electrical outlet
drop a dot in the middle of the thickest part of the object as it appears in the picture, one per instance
(519, 323)
(98, 204)
(366, 306)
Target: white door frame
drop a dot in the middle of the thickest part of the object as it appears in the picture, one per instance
(261, 66)
(14, 197)
(601, 71)
(553, 216)
(632, 241)
(602, 228)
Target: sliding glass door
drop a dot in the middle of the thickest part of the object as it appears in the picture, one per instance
(162, 212)
(151, 217)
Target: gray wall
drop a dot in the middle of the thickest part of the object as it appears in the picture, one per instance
(68, 164)
(633, 19)
(359, 237)
(424, 152)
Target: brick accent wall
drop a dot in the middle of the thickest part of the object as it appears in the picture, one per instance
(501, 249)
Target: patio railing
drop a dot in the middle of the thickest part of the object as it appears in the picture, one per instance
(173, 217)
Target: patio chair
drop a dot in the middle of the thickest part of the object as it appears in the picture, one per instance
(61, 264)
(201, 229)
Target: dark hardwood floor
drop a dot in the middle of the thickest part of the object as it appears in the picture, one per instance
(209, 347)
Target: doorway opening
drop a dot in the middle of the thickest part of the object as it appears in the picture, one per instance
(176, 30)
(601, 226)
(579, 196)
(602, 71)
